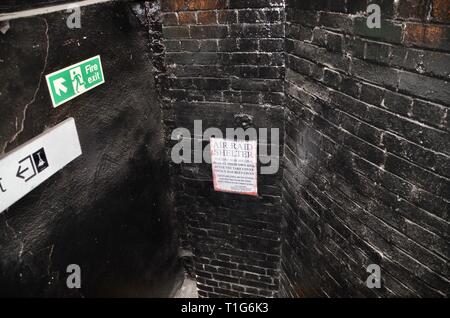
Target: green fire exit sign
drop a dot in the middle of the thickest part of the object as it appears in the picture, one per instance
(74, 80)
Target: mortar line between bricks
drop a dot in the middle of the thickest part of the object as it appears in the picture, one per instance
(381, 63)
(227, 79)
(392, 154)
(213, 24)
(368, 178)
(370, 105)
(265, 9)
(385, 150)
(355, 217)
(385, 272)
(217, 104)
(401, 45)
(199, 66)
(439, 219)
(435, 253)
(239, 283)
(356, 15)
(392, 244)
(370, 82)
(191, 90)
(404, 216)
(223, 39)
(338, 245)
(357, 278)
(306, 248)
(387, 132)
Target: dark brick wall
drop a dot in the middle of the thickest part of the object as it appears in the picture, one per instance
(365, 129)
(225, 59)
(225, 51)
(366, 177)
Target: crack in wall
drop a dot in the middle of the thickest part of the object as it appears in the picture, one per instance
(16, 236)
(50, 258)
(24, 112)
(11, 229)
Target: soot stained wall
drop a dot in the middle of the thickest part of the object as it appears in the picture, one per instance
(225, 60)
(365, 175)
(366, 147)
(367, 151)
(108, 211)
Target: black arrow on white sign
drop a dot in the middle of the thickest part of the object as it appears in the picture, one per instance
(20, 172)
(24, 166)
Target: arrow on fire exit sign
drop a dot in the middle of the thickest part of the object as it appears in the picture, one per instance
(74, 80)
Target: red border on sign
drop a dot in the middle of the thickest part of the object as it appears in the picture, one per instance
(216, 186)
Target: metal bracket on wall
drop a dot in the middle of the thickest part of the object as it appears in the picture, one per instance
(243, 120)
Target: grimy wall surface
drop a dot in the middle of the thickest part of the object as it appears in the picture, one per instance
(107, 211)
(225, 67)
(364, 144)
(366, 177)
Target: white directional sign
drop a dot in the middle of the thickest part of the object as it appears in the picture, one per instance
(27, 166)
